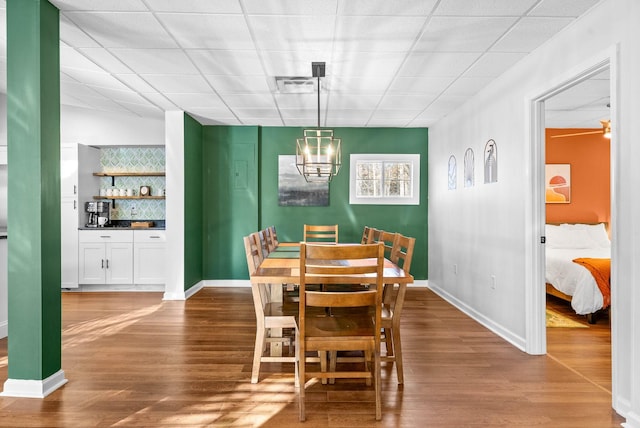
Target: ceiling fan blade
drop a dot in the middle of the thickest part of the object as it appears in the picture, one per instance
(577, 133)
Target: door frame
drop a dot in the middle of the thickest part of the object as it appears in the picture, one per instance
(535, 293)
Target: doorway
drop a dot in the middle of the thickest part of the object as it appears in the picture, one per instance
(604, 64)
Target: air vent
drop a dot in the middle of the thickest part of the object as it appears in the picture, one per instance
(296, 85)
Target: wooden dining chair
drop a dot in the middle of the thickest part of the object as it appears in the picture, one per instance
(387, 239)
(357, 330)
(393, 301)
(272, 236)
(271, 316)
(327, 234)
(366, 232)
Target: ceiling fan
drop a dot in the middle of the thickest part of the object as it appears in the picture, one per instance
(606, 131)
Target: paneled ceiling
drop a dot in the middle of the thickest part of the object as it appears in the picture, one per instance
(400, 63)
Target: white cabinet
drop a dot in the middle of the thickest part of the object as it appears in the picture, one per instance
(149, 248)
(76, 186)
(106, 256)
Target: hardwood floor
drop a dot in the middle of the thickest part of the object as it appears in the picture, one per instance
(133, 360)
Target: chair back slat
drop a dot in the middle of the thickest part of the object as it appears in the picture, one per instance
(320, 233)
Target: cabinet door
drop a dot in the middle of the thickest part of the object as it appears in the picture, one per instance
(149, 261)
(119, 269)
(91, 262)
(69, 171)
(69, 243)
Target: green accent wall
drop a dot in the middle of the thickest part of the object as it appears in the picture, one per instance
(230, 197)
(193, 202)
(235, 207)
(33, 134)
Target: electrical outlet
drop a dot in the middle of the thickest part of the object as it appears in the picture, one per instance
(493, 282)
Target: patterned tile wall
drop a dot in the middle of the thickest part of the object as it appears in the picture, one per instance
(135, 159)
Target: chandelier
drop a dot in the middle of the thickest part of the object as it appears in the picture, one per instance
(318, 153)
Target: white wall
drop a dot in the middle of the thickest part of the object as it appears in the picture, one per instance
(486, 230)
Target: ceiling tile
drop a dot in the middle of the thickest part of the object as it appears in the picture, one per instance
(195, 6)
(150, 61)
(483, 7)
(437, 64)
(190, 102)
(530, 33)
(300, 101)
(405, 102)
(354, 63)
(214, 113)
(259, 101)
(467, 86)
(89, 5)
(74, 36)
(293, 33)
(121, 95)
(232, 63)
(135, 82)
(160, 100)
(243, 112)
(198, 31)
(294, 63)
(123, 29)
(291, 7)
(420, 84)
(78, 90)
(185, 84)
(238, 84)
(94, 78)
(572, 8)
(339, 84)
(386, 7)
(379, 32)
(493, 64)
(473, 34)
(71, 58)
(144, 110)
(104, 59)
(353, 101)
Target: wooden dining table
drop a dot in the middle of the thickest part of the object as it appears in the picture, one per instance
(282, 266)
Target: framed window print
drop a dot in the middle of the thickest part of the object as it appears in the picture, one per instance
(557, 178)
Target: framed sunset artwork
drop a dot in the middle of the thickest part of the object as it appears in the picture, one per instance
(557, 178)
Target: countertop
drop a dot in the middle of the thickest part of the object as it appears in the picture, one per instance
(121, 228)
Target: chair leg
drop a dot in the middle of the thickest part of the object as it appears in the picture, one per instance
(376, 381)
(369, 364)
(322, 356)
(257, 354)
(397, 346)
(302, 361)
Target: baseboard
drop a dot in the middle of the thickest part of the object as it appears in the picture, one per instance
(33, 388)
(517, 341)
(183, 295)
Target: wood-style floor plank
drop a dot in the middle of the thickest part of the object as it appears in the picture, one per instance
(133, 360)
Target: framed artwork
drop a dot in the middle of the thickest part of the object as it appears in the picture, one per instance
(293, 189)
(490, 162)
(468, 168)
(557, 178)
(452, 173)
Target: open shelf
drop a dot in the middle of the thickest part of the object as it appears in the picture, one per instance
(128, 197)
(129, 174)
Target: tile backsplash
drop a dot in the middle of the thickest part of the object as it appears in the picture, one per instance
(135, 159)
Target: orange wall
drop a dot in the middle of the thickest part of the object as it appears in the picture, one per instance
(590, 176)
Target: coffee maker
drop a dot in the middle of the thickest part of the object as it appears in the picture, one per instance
(97, 213)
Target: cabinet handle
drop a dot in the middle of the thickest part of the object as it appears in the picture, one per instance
(75, 204)
(107, 263)
(75, 189)
(154, 236)
(102, 263)
(105, 236)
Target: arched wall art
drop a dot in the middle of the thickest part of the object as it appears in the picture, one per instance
(468, 168)
(490, 162)
(452, 173)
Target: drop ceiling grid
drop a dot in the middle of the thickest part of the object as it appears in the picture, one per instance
(214, 56)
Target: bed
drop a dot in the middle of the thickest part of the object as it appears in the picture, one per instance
(584, 284)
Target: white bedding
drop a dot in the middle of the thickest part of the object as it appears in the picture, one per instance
(570, 241)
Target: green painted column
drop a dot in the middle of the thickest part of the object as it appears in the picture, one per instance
(33, 135)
